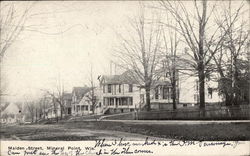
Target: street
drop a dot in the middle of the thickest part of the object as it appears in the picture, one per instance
(59, 132)
(137, 130)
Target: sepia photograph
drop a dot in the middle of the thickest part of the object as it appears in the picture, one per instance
(139, 75)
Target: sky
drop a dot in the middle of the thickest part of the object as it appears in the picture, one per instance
(61, 42)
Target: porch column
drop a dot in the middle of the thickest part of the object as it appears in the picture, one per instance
(115, 102)
(80, 109)
(160, 93)
(89, 108)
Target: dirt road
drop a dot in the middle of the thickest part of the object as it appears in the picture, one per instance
(60, 132)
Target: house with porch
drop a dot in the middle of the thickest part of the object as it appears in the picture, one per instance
(91, 103)
(77, 106)
(187, 87)
(120, 93)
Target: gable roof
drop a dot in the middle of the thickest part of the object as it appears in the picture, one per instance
(80, 91)
(124, 78)
(11, 109)
(67, 96)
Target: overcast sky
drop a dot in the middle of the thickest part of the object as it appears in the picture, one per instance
(63, 39)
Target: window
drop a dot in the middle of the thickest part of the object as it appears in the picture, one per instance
(197, 85)
(106, 101)
(119, 89)
(111, 101)
(196, 97)
(124, 101)
(130, 88)
(142, 98)
(118, 101)
(130, 101)
(210, 93)
(156, 93)
(109, 88)
(103, 88)
(165, 92)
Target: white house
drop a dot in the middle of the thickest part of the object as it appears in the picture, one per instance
(91, 103)
(77, 94)
(189, 90)
(11, 113)
(187, 87)
(120, 93)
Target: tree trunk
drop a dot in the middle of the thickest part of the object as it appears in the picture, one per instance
(174, 90)
(236, 90)
(32, 118)
(36, 115)
(61, 113)
(201, 67)
(201, 85)
(148, 98)
(228, 99)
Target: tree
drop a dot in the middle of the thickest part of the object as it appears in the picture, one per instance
(232, 56)
(30, 107)
(92, 98)
(57, 97)
(44, 104)
(12, 23)
(170, 61)
(138, 53)
(193, 26)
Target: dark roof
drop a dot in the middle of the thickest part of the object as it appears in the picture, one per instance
(80, 91)
(124, 78)
(162, 83)
(67, 96)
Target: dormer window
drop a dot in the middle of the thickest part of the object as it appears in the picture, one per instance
(109, 88)
(130, 88)
(119, 88)
(210, 93)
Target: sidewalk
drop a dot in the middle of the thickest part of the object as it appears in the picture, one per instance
(178, 122)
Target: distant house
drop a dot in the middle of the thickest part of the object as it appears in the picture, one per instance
(10, 113)
(77, 95)
(8, 118)
(91, 102)
(53, 110)
(67, 99)
(120, 93)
